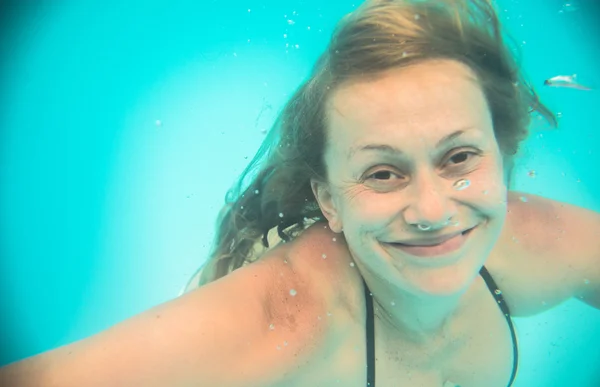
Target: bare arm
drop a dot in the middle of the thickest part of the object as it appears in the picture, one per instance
(210, 336)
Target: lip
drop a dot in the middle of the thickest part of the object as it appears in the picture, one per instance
(432, 241)
(433, 247)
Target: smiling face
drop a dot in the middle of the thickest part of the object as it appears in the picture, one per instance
(412, 163)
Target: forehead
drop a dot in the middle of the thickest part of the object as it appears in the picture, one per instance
(425, 100)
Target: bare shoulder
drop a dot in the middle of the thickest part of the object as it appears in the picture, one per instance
(547, 253)
(323, 258)
(246, 329)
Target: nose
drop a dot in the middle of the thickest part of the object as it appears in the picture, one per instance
(430, 207)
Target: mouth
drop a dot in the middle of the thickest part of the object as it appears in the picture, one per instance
(433, 247)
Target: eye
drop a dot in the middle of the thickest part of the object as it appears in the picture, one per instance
(461, 158)
(384, 175)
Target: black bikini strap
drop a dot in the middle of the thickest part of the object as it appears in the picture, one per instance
(370, 337)
(497, 293)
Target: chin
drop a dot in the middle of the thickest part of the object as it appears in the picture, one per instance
(443, 281)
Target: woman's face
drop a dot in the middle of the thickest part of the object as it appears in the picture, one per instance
(415, 178)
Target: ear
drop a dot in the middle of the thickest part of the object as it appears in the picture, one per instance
(327, 205)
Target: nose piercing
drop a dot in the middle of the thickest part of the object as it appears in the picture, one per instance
(461, 184)
(427, 227)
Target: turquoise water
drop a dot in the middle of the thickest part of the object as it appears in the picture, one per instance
(123, 125)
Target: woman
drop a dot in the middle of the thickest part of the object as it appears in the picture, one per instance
(404, 255)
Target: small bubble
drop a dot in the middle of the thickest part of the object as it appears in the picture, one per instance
(281, 214)
(271, 327)
(334, 239)
(242, 207)
(293, 292)
(291, 22)
(256, 191)
(393, 303)
(279, 347)
(586, 281)
(158, 122)
(352, 264)
(285, 36)
(297, 46)
(532, 173)
(486, 192)
(324, 256)
(404, 54)
(319, 318)
(417, 16)
(285, 343)
(523, 199)
(461, 184)
(498, 291)
(329, 314)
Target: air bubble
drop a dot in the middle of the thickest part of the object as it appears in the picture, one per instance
(461, 184)
(393, 303)
(293, 292)
(498, 291)
(334, 239)
(256, 191)
(281, 214)
(352, 264)
(523, 199)
(586, 281)
(324, 256)
(271, 327)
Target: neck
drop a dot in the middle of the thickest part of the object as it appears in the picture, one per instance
(416, 318)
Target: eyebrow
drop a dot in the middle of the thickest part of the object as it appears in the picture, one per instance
(391, 149)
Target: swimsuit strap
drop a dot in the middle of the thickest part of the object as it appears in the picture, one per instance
(370, 337)
(497, 293)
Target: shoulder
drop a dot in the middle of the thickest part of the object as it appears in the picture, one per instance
(323, 258)
(548, 251)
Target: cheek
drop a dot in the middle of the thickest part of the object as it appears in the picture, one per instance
(488, 179)
(488, 190)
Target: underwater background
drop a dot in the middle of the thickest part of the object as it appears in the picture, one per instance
(122, 125)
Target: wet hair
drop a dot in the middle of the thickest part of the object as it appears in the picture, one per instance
(274, 191)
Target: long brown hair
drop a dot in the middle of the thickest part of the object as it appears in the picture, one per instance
(274, 191)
